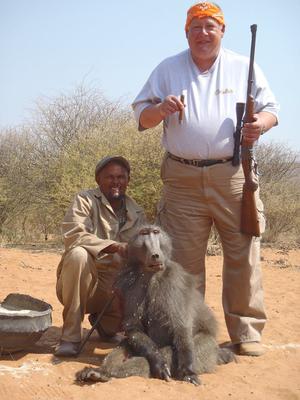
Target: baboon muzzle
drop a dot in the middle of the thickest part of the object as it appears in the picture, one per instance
(154, 258)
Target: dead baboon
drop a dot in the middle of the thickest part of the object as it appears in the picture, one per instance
(170, 331)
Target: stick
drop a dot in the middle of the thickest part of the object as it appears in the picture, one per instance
(100, 315)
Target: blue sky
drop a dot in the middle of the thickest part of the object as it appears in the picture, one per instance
(48, 47)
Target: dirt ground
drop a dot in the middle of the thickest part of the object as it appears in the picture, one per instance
(36, 374)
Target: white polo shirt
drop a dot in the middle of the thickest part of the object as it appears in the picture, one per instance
(209, 121)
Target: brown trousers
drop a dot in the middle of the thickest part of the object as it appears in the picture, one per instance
(194, 199)
(83, 288)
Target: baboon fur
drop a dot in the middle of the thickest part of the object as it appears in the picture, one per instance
(170, 332)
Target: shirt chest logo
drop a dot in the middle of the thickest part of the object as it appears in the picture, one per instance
(223, 91)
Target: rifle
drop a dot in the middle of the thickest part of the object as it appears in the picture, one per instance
(249, 213)
(240, 108)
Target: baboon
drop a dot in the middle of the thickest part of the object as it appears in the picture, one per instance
(169, 330)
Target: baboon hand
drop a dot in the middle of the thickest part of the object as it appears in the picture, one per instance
(188, 375)
(90, 375)
(192, 378)
(163, 372)
(160, 369)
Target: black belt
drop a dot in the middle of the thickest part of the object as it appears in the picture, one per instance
(199, 163)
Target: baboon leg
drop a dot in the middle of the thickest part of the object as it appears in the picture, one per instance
(225, 356)
(89, 374)
(117, 364)
(206, 352)
(184, 355)
(209, 354)
(120, 364)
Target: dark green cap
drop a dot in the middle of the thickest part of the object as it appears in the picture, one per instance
(106, 160)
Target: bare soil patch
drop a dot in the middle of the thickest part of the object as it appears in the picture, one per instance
(37, 375)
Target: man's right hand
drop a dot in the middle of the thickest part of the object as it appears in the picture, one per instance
(170, 105)
(154, 114)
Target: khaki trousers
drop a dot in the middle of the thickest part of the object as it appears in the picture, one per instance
(83, 288)
(194, 199)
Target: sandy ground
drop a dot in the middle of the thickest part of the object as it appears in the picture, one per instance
(37, 374)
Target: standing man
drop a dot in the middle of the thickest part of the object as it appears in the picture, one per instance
(96, 229)
(201, 186)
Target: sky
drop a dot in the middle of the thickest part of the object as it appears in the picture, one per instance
(50, 47)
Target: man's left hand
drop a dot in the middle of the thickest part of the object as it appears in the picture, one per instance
(118, 247)
(251, 131)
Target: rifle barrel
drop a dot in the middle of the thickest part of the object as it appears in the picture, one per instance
(252, 55)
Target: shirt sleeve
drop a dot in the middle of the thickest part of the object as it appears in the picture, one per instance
(263, 95)
(152, 93)
(77, 228)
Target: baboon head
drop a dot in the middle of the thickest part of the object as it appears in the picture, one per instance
(149, 248)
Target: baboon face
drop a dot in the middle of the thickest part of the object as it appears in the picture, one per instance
(146, 250)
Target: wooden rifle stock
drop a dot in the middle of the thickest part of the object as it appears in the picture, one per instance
(249, 214)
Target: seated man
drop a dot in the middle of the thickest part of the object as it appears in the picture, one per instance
(96, 229)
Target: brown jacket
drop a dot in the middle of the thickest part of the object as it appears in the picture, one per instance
(91, 223)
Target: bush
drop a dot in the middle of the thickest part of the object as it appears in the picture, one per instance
(43, 164)
(280, 191)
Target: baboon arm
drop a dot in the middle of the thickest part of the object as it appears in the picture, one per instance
(184, 348)
(142, 345)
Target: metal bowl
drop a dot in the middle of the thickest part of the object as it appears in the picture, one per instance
(23, 320)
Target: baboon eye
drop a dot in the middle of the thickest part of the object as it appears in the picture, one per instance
(156, 231)
(144, 232)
